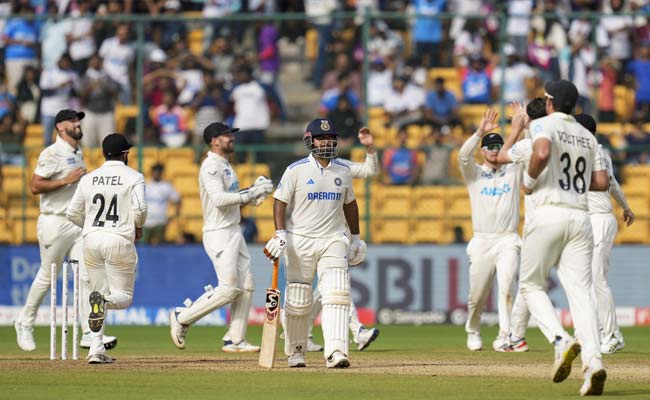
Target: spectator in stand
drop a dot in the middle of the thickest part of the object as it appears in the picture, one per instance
(222, 58)
(618, 28)
(346, 120)
(476, 82)
(639, 69)
(469, 43)
(252, 114)
(549, 41)
(171, 31)
(404, 103)
(224, 27)
(379, 84)
(189, 77)
(12, 135)
(52, 36)
(28, 95)
(59, 85)
(268, 56)
(319, 13)
(427, 32)
(159, 193)
(583, 56)
(20, 37)
(514, 76)
(436, 165)
(384, 42)
(331, 97)
(342, 65)
(400, 165)
(208, 106)
(170, 120)
(7, 100)
(519, 24)
(607, 78)
(98, 93)
(638, 143)
(107, 29)
(157, 79)
(441, 106)
(80, 37)
(118, 56)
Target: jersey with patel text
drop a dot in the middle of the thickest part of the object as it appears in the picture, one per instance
(315, 196)
(566, 179)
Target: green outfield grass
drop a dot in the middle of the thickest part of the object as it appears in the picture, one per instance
(428, 362)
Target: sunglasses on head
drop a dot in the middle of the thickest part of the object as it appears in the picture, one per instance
(492, 147)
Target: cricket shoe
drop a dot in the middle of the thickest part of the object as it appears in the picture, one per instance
(611, 345)
(313, 347)
(365, 337)
(595, 376)
(337, 360)
(566, 350)
(502, 345)
(243, 347)
(297, 360)
(519, 345)
(96, 317)
(110, 342)
(25, 336)
(100, 359)
(474, 341)
(177, 330)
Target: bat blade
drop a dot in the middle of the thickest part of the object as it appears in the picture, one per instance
(270, 329)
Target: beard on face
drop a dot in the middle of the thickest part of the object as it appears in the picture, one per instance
(75, 133)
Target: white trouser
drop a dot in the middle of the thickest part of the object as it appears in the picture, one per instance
(96, 126)
(355, 324)
(57, 238)
(604, 228)
(304, 258)
(488, 256)
(562, 237)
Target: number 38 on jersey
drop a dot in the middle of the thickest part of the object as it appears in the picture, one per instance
(573, 174)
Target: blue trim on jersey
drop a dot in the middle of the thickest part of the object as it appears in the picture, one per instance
(301, 161)
(341, 163)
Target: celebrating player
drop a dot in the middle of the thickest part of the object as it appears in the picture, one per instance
(221, 200)
(318, 192)
(495, 217)
(564, 165)
(109, 205)
(60, 166)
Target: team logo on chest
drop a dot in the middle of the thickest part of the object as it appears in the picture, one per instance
(71, 161)
(337, 181)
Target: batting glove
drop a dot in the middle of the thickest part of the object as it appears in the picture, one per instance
(277, 245)
(357, 251)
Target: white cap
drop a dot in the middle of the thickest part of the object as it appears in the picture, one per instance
(157, 55)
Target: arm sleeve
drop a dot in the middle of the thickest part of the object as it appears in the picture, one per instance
(616, 192)
(76, 211)
(286, 187)
(366, 169)
(138, 203)
(599, 162)
(174, 197)
(216, 191)
(466, 157)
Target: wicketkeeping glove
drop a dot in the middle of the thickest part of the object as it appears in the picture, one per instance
(265, 183)
(357, 251)
(262, 187)
(277, 245)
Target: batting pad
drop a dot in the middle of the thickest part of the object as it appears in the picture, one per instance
(297, 306)
(335, 287)
(208, 302)
(239, 316)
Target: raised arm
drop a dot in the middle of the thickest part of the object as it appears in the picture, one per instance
(519, 121)
(466, 153)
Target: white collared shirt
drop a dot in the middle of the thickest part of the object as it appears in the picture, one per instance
(56, 162)
(315, 196)
(219, 190)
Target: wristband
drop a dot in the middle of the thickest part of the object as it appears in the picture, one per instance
(529, 182)
(356, 238)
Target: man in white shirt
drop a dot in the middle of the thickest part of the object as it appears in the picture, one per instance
(513, 77)
(118, 56)
(252, 114)
(159, 193)
(564, 165)
(60, 166)
(109, 205)
(58, 84)
(221, 200)
(495, 246)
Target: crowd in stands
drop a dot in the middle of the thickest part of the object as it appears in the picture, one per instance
(72, 60)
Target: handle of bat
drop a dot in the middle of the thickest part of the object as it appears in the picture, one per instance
(276, 268)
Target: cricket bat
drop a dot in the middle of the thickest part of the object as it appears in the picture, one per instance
(271, 321)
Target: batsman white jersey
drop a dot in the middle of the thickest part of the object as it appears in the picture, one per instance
(495, 246)
(560, 232)
(317, 241)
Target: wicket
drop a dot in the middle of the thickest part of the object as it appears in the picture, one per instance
(74, 265)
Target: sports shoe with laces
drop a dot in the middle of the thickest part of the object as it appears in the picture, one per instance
(110, 342)
(297, 360)
(243, 347)
(313, 347)
(365, 337)
(595, 376)
(25, 336)
(502, 345)
(96, 317)
(337, 360)
(177, 330)
(519, 345)
(611, 345)
(100, 359)
(566, 350)
(474, 341)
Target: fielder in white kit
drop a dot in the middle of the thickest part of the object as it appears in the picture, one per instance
(109, 204)
(563, 167)
(314, 206)
(495, 246)
(60, 166)
(224, 243)
(605, 228)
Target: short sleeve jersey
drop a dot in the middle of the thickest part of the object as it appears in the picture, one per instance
(574, 155)
(315, 196)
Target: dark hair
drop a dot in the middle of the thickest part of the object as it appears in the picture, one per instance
(536, 108)
(158, 167)
(440, 80)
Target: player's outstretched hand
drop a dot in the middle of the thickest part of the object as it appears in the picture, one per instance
(628, 216)
(357, 252)
(519, 117)
(489, 121)
(276, 246)
(365, 137)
